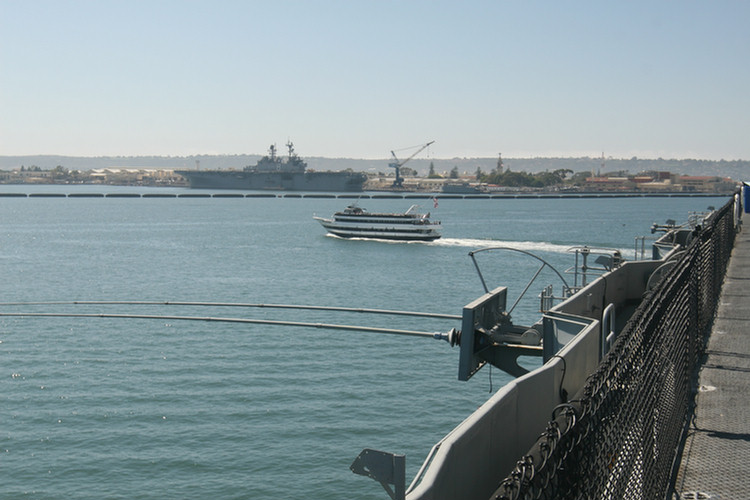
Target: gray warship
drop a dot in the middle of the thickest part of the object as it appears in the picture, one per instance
(276, 174)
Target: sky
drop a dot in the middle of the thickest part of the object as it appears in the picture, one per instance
(362, 78)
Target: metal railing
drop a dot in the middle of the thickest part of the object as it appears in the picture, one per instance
(619, 436)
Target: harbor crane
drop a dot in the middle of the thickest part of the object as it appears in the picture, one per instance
(397, 164)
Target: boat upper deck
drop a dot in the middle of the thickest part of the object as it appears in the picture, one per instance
(355, 212)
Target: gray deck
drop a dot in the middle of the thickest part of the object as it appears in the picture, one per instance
(715, 461)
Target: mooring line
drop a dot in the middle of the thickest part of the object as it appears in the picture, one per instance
(328, 326)
(235, 304)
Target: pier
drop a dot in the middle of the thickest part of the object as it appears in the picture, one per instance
(713, 464)
(359, 196)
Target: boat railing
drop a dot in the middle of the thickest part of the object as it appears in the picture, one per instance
(605, 260)
(696, 219)
(548, 298)
(641, 246)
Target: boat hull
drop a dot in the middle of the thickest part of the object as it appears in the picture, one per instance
(275, 181)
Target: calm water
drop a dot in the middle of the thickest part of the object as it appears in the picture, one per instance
(121, 408)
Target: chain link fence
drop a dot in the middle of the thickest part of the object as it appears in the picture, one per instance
(619, 436)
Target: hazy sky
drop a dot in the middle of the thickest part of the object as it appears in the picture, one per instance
(355, 78)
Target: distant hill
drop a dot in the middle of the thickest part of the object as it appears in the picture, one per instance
(735, 169)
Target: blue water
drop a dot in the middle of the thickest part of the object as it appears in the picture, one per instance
(134, 408)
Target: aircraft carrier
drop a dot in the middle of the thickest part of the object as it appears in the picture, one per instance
(272, 173)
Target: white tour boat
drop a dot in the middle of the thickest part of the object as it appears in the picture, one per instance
(356, 222)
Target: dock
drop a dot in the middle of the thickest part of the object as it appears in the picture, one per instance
(714, 461)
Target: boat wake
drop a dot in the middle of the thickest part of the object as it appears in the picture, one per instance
(539, 246)
(529, 246)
